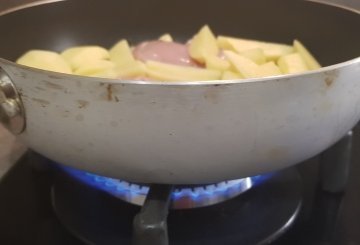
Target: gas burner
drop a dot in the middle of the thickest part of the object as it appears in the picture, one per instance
(183, 197)
(256, 217)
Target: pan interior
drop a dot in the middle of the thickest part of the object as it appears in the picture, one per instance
(331, 33)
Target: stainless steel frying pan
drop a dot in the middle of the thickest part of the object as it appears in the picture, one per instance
(184, 132)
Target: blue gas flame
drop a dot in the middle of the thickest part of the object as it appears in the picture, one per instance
(123, 188)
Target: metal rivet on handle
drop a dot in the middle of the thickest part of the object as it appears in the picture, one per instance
(12, 114)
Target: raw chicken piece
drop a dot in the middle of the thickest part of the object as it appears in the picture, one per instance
(166, 52)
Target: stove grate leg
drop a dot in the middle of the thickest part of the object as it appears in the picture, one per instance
(150, 225)
(335, 164)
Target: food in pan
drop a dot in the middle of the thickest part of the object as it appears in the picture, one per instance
(204, 57)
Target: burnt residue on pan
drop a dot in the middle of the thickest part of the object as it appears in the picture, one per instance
(43, 103)
(21, 93)
(329, 81)
(78, 84)
(213, 92)
(23, 74)
(40, 88)
(63, 112)
(55, 77)
(51, 85)
(211, 95)
(82, 104)
(109, 92)
(330, 77)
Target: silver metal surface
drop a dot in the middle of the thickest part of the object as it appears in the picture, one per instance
(11, 108)
(188, 132)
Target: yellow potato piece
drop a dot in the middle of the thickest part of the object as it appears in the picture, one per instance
(246, 67)
(126, 65)
(309, 59)
(226, 43)
(243, 58)
(167, 72)
(268, 69)
(136, 69)
(257, 55)
(94, 67)
(111, 73)
(121, 54)
(166, 38)
(45, 60)
(292, 63)
(216, 63)
(229, 75)
(272, 51)
(78, 56)
(203, 45)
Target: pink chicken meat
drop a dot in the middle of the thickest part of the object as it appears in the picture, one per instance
(166, 52)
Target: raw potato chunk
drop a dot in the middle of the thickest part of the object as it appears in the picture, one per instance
(79, 56)
(292, 63)
(137, 69)
(309, 59)
(45, 60)
(94, 67)
(126, 66)
(204, 57)
(229, 75)
(167, 72)
(257, 55)
(246, 67)
(272, 51)
(216, 63)
(121, 54)
(203, 45)
(203, 48)
(166, 38)
(268, 69)
(111, 73)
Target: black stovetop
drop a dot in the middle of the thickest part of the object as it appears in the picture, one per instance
(27, 217)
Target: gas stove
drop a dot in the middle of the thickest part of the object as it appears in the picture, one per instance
(315, 202)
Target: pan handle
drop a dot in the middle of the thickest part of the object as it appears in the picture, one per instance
(12, 114)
